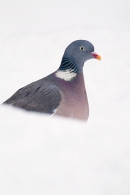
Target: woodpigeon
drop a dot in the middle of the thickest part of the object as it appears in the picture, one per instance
(62, 92)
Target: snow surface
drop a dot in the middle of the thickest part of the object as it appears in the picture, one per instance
(47, 155)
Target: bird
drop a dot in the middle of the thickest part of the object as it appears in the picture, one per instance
(62, 92)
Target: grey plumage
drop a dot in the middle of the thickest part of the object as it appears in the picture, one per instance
(39, 96)
(63, 91)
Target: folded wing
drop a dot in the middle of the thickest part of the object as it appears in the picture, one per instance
(39, 96)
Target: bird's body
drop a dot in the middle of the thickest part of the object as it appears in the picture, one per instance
(62, 92)
(74, 102)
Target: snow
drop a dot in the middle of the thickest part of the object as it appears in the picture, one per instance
(47, 155)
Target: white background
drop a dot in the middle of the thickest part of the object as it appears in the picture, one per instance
(40, 155)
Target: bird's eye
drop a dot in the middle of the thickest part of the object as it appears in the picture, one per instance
(82, 48)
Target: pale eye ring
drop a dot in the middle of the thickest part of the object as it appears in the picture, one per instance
(82, 48)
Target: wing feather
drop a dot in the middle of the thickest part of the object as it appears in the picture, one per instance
(39, 96)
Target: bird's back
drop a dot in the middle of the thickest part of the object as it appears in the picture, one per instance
(39, 96)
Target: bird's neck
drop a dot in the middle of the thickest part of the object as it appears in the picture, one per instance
(68, 63)
(68, 69)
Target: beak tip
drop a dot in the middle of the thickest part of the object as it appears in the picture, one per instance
(99, 57)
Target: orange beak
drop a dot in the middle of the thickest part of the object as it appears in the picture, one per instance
(95, 55)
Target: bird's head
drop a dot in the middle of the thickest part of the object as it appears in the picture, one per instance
(81, 51)
(75, 55)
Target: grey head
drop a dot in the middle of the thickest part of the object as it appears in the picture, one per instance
(76, 54)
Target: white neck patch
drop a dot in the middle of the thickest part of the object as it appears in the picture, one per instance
(66, 75)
